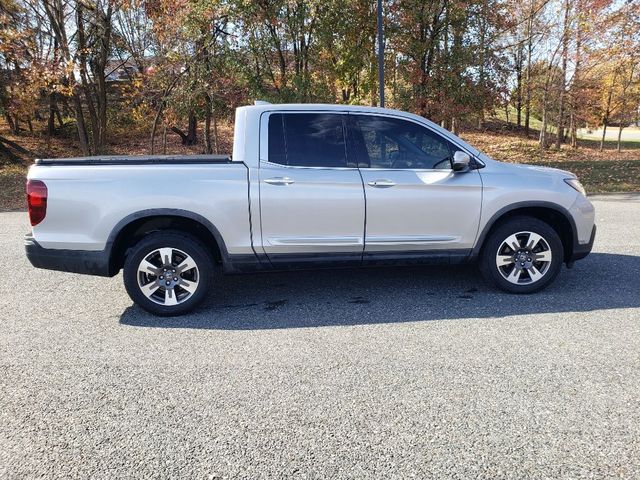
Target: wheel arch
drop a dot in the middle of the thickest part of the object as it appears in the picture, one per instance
(134, 226)
(554, 215)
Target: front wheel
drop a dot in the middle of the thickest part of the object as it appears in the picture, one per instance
(522, 256)
(168, 273)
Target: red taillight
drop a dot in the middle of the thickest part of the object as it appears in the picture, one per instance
(36, 200)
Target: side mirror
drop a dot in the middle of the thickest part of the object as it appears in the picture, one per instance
(461, 161)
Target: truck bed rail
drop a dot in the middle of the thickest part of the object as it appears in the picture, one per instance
(136, 160)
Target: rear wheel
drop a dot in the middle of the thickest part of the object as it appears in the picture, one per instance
(168, 273)
(522, 256)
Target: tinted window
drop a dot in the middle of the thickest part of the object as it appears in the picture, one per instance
(395, 143)
(307, 140)
(276, 140)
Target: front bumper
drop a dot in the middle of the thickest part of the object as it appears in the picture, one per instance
(76, 261)
(582, 250)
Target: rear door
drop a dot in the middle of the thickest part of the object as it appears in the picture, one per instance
(415, 202)
(311, 197)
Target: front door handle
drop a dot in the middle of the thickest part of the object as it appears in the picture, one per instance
(381, 183)
(279, 181)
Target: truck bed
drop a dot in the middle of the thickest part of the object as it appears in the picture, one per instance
(89, 198)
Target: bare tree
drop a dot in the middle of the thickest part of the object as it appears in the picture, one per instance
(562, 84)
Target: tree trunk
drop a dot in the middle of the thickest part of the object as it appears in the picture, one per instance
(607, 110)
(98, 68)
(519, 61)
(216, 148)
(545, 98)
(101, 137)
(11, 122)
(59, 116)
(527, 102)
(183, 136)
(84, 78)
(563, 75)
(66, 110)
(543, 128)
(620, 135)
(373, 84)
(481, 70)
(192, 132)
(81, 126)
(207, 125)
(154, 127)
(164, 140)
(51, 124)
(604, 133)
(627, 81)
(575, 87)
(191, 137)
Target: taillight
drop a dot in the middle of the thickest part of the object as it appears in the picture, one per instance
(37, 201)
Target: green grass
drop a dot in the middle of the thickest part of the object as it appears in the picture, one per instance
(630, 136)
(534, 123)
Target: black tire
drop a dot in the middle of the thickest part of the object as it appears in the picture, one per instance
(201, 276)
(496, 275)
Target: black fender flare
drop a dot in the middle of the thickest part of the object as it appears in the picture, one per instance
(169, 212)
(520, 205)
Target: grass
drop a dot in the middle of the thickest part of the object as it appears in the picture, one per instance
(600, 171)
(534, 123)
(630, 135)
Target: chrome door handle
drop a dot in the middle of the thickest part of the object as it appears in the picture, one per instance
(279, 181)
(381, 183)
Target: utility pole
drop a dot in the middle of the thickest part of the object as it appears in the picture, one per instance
(380, 54)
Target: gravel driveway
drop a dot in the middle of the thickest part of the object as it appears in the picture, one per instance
(376, 373)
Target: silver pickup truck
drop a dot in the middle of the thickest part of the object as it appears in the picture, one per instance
(306, 186)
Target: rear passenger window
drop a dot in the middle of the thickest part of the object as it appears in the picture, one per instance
(307, 140)
(277, 152)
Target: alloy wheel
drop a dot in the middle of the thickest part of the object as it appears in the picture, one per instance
(524, 258)
(168, 276)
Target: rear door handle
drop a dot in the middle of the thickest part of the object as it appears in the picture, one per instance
(279, 181)
(382, 183)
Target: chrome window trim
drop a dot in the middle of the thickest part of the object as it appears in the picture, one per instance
(263, 147)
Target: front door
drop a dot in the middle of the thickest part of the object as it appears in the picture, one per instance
(311, 198)
(415, 202)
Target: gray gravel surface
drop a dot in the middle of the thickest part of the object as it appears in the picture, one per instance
(377, 373)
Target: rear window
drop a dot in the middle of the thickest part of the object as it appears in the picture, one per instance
(307, 140)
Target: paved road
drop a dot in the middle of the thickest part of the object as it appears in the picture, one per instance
(381, 373)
